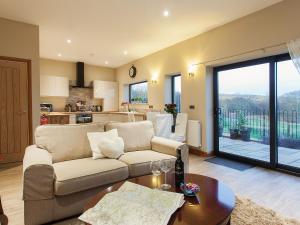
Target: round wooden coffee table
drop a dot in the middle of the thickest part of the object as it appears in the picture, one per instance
(216, 200)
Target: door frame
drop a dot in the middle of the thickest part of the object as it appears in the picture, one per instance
(29, 74)
(273, 163)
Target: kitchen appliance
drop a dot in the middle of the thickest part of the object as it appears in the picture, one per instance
(46, 107)
(98, 108)
(84, 118)
(68, 108)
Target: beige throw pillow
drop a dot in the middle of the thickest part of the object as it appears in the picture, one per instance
(112, 148)
(96, 138)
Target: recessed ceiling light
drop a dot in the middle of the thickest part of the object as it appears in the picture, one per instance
(125, 52)
(59, 54)
(69, 41)
(166, 13)
(106, 62)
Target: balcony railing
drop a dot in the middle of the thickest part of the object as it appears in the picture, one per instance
(257, 124)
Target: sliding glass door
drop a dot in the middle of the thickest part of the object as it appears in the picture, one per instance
(288, 114)
(244, 111)
(257, 112)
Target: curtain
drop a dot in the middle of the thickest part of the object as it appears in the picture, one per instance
(294, 50)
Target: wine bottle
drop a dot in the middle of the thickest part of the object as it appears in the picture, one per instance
(179, 169)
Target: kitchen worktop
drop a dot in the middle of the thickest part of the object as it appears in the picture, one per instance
(89, 112)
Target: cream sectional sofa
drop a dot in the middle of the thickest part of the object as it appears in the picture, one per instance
(60, 176)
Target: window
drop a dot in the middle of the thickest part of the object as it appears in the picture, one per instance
(138, 92)
(176, 91)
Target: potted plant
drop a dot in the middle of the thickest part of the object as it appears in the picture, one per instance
(234, 133)
(243, 129)
(171, 108)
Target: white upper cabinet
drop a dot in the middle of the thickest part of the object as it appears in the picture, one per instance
(54, 86)
(108, 91)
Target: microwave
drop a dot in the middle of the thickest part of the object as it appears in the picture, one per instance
(46, 106)
(84, 118)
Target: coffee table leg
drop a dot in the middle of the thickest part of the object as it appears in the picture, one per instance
(228, 223)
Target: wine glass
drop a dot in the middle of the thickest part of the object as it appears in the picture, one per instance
(155, 169)
(166, 166)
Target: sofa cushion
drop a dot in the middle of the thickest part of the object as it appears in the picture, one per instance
(96, 139)
(139, 161)
(66, 142)
(136, 135)
(82, 174)
(113, 148)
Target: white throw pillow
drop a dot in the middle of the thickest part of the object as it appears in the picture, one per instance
(112, 148)
(96, 138)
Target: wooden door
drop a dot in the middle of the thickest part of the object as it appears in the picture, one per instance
(14, 110)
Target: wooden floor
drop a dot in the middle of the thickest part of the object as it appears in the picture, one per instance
(278, 191)
(257, 150)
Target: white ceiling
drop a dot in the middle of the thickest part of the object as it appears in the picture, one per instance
(101, 30)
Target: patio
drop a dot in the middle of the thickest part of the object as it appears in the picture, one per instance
(256, 150)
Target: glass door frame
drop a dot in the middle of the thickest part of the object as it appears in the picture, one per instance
(273, 163)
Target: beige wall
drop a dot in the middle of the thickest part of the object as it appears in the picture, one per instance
(68, 69)
(21, 40)
(271, 26)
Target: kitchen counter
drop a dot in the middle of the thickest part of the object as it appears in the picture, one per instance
(89, 112)
(70, 117)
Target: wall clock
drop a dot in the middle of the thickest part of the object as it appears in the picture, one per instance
(132, 71)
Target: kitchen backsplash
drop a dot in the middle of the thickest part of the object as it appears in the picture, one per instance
(75, 95)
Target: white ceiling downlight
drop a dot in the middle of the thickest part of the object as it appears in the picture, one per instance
(166, 13)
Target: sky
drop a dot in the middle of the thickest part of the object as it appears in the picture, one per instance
(254, 80)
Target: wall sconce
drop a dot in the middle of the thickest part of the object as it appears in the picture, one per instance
(154, 79)
(191, 70)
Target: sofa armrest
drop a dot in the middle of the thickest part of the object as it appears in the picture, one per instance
(167, 146)
(38, 174)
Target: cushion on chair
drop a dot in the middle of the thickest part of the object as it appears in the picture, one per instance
(139, 161)
(66, 142)
(83, 174)
(136, 135)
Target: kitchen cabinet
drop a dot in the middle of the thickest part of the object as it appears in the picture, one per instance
(117, 117)
(54, 86)
(72, 119)
(100, 118)
(108, 91)
(58, 119)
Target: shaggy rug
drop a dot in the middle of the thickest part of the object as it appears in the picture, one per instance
(246, 212)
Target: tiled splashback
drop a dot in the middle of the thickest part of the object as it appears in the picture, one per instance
(80, 94)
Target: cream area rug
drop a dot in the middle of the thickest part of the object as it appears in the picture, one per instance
(246, 212)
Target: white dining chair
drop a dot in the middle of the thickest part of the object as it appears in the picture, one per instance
(163, 125)
(151, 116)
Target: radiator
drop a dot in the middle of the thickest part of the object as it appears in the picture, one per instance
(194, 133)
